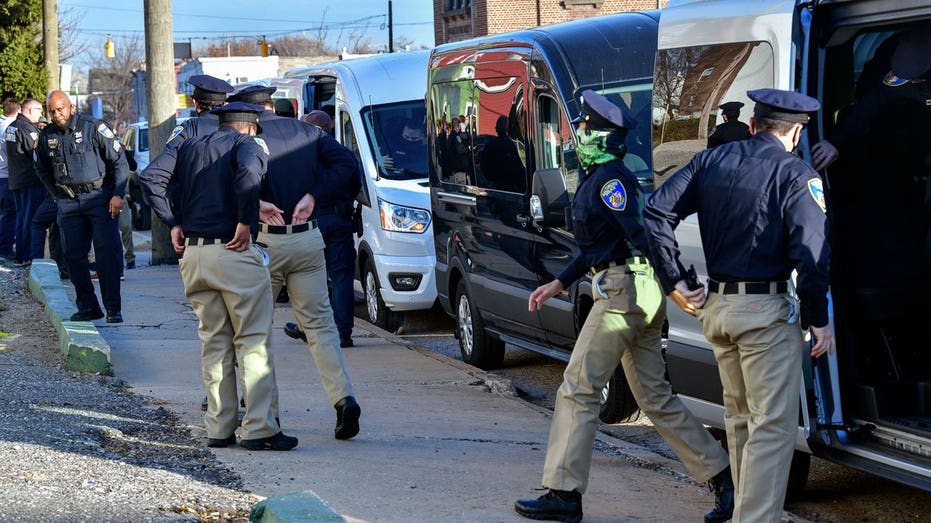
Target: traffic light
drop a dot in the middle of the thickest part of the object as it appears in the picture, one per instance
(109, 49)
(264, 44)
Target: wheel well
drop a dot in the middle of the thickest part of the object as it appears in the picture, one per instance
(584, 306)
(455, 276)
(362, 258)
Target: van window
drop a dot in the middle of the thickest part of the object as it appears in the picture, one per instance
(451, 106)
(144, 139)
(398, 136)
(555, 146)
(348, 135)
(690, 83)
(499, 155)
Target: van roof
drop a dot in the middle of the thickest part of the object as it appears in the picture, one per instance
(405, 72)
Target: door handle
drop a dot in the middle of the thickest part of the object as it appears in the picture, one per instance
(523, 219)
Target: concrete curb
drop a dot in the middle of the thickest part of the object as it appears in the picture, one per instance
(295, 507)
(81, 344)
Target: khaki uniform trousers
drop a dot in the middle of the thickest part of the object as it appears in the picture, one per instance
(298, 261)
(758, 345)
(232, 296)
(623, 326)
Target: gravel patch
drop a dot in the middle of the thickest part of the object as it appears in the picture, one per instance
(82, 447)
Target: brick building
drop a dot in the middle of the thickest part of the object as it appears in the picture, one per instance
(455, 20)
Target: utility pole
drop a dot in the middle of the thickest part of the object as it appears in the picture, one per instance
(50, 41)
(162, 102)
(390, 29)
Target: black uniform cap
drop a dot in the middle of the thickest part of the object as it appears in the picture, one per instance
(912, 56)
(239, 112)
(207, 87)
(787, 106)
(731, 107)
(254, 94)
(600, 114)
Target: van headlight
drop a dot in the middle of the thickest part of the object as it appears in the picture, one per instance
(399, 218)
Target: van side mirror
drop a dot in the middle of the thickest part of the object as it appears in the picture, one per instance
(549, 199)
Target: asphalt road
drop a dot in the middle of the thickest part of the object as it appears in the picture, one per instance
(834, 493)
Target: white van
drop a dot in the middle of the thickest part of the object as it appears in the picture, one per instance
(378, 110)
(869, 405)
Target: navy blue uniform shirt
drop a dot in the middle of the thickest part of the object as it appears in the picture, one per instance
(761, 214)
(21, 137)
(303, 160)
(606, 219)
(83, 153)
(202, 125)
(218, 176)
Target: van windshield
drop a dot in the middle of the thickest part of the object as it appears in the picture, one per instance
(638, 97)
(398, 136)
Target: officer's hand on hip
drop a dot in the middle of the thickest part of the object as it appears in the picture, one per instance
(543, 293)
(177, 239)
(824, 341)
(241, 240)
(116, 205)
(270, 213)
(303, 209)
(688, 301)
(823, 154)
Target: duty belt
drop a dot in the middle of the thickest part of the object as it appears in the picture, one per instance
(74, 189)
(598, 267)
(287, 229)
(200, 241)
(748, 287)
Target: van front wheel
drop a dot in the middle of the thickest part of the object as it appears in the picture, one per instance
(378, 312)
(477, 347)
(617, 401)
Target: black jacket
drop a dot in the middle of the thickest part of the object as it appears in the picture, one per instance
(21, 137)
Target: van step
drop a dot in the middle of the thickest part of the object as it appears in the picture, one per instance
(907, 436)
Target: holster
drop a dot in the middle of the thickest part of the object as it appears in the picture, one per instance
(66, 190)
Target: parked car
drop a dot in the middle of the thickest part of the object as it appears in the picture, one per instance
(868, 405)
(506, 101)
(136, 140)
(378, 112)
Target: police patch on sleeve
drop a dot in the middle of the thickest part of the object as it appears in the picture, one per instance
(262, 144)
(174, 132)
(894, 81)
(10, 134)
(613, 195)
(817, 193)
(105, 131)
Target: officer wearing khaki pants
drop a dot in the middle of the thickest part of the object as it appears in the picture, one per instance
(623, 326)
(219, 178)
(761, 211)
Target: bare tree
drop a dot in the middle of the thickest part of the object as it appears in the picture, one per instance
(299, 45)
(69, 45)
(110, 79)
(248, 46)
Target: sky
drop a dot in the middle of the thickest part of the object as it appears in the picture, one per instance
(203, 19)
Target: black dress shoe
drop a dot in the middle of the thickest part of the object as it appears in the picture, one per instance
(347, 418)
(293, 331)
(723, 487)
(345, 342)
(88, 315)
(114, 317)
(220, 443)
(277, 442)
(555, 505)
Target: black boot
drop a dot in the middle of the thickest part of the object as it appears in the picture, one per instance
(555, 505)
(723, 487)
(347, 418)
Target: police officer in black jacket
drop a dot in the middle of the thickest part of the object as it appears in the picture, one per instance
(219, 178)
(306, 166)
(209, 93)
(761, 213)
(624, 326)
(28, 192)
(80, 160)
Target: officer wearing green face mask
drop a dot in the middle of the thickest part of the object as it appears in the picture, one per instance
(623, 326)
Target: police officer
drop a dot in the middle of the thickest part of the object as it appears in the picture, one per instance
(219, 178)
(732, 129)
(761, 213)
(28, 192)
(306, 165)
(81, 162)
(209, 94)
(334, 219)
(623, 326)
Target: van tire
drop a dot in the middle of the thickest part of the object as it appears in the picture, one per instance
(617, 401)
(476, 346)
(376, 311)
(798, 475)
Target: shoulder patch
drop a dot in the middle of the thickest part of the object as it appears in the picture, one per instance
(10, 134)
(174, 133)
(713, 129)
(816, 189)
(105, 131)
(34, 135)
(893, 81)
(262, 144)
(614, 195)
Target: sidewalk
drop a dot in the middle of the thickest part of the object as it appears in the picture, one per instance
(436, 443)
